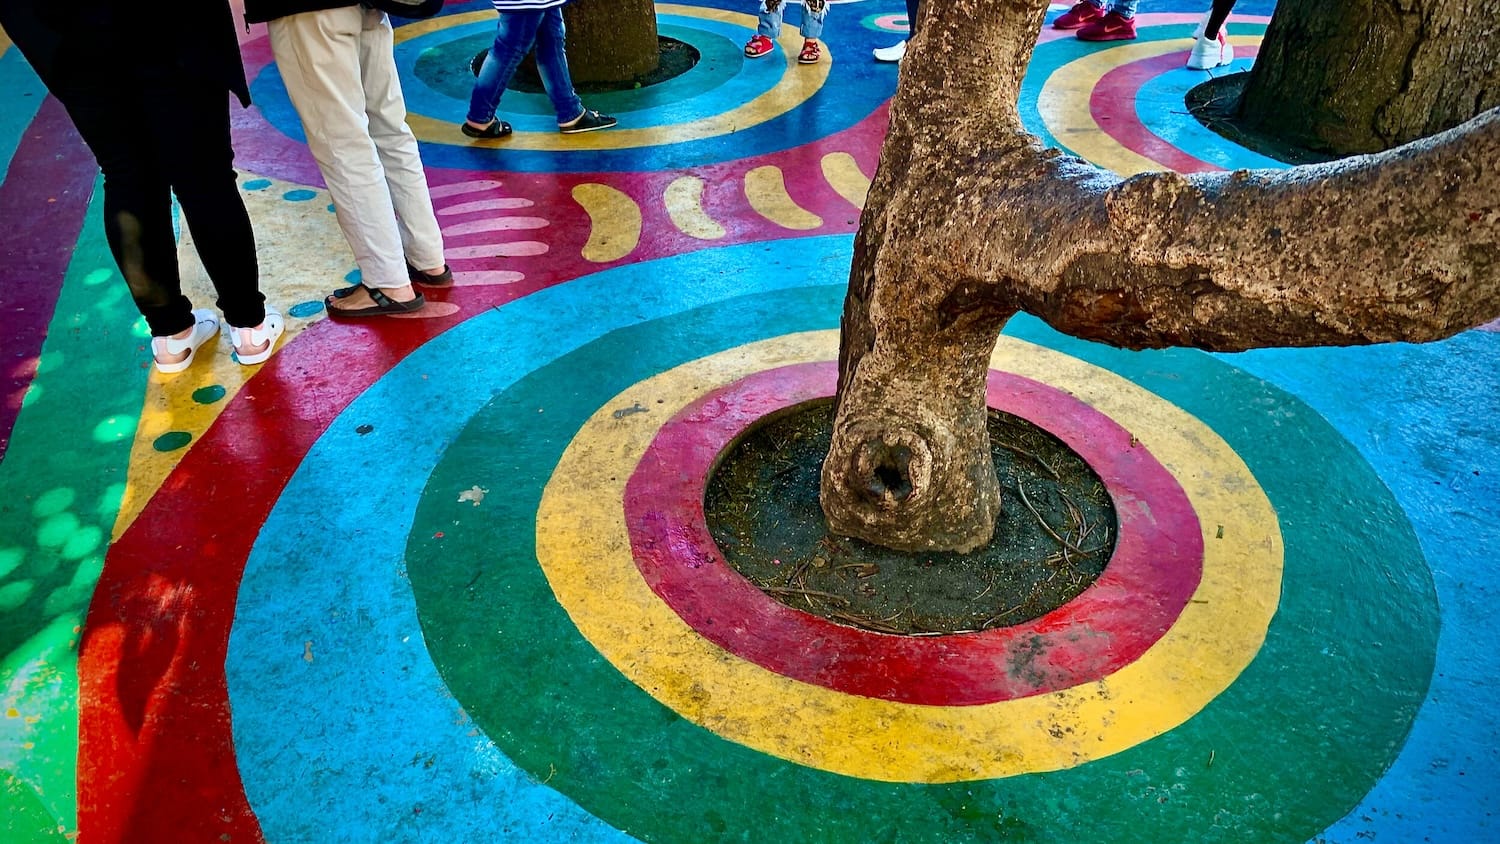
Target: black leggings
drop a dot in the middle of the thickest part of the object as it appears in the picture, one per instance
(1217, 17)
(156, 130)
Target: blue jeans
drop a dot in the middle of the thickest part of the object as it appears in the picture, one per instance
(813, 13)
(1123, 8)
(514, 36)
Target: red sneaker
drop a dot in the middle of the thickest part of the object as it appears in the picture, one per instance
(1112, 27)
(758, 46)
(1081, 14)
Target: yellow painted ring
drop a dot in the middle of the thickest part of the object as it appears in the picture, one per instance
(584, 550)
(1066, 113)
(795, 88)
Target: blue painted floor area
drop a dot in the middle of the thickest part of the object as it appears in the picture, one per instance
(1427, 418)
(312, 747)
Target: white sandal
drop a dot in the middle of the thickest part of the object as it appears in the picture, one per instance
(249, 338)
(205, 328)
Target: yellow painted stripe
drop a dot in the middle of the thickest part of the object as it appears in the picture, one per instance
(311, 255)
(684, 200)
(584, 550)
(5, 42)
(1064, 102)
(765, 187)
(844, 175)
(795, 88)
(616, 222)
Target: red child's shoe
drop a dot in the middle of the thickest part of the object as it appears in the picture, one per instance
(1082, 14)
(758, 46)
(1112, 27)
(810, 54)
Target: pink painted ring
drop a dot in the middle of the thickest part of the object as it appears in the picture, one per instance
(1122, 85)
(1156, 567)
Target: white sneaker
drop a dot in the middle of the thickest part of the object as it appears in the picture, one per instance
(205, 328)
(266, 334)
(893, 53)
(1208, 53)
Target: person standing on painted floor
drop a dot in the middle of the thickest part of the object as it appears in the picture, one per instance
(1211, 46)
(896, 52)
(814, 12)
(147, 94)
(1095, 24)
(338, 62)
(522, 25)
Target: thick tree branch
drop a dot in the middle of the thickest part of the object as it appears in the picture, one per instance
(970, 220)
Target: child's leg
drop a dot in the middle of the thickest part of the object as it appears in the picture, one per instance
(814, 12)
(1124, 8)
(770, 18)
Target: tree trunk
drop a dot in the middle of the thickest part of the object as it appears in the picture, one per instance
(970, 220)
(611, 40)
(1362, 77)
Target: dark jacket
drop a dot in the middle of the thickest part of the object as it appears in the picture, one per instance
(260, 11)
(87, 43)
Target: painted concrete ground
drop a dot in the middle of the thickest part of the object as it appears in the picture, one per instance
(444, 578)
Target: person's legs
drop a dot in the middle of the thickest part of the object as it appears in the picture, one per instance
(421, 239)
(1124, 8)
(552, 64)
(769, 24)
(104, 98)
(318, 55)
(515, 32)
(1216, 17)
(1211, 47)
(188, 126)
(767, 27)
(137, 203)
(814, 13)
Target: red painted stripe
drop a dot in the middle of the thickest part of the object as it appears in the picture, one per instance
(43, 202)
(156, 756)
(156, 759)
(1113, 106)
(1155, 569)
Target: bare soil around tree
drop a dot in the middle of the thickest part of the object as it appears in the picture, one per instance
(1055, 534)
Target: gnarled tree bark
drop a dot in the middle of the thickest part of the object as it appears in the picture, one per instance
(971, 220)
(611, 40)
(1386, 72)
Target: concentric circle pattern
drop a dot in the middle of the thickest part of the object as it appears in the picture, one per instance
(511, 487)
(448, 578)
(1157, 565)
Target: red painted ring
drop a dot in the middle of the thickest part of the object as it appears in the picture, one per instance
(1156, 567)
(1122, 85)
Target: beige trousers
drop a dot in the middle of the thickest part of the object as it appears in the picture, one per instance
(340, 73)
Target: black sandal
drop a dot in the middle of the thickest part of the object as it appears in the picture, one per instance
(383, 303)
(496, 129)
(440, 279)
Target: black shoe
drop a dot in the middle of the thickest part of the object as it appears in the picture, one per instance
(588, 122)
(439, 279)
(496, 129)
